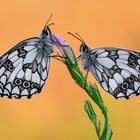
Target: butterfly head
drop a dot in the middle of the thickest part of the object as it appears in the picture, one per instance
(46, 35)
(84, 49)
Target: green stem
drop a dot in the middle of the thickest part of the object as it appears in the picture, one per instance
(92, 116)
(101, 106)
(105, 126)
(93, 93)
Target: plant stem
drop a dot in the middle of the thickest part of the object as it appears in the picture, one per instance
(92, 91)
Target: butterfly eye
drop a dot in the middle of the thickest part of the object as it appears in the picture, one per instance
(83, 48)
(46, 32)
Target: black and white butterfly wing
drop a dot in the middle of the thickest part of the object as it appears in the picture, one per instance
(117, 71)
(24, 69)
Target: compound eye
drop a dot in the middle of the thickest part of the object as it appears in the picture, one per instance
(26, 84)
(83, 48)
(46, 31)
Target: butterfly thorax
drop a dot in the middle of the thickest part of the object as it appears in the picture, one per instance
(46, 40)
(87, 59)
(86, 56)
(48, 48)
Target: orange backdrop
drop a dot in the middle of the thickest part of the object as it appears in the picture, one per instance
(57, 113)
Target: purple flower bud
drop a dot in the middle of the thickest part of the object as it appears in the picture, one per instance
(64, 48)
(58, 41)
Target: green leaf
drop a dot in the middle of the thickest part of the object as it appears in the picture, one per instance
(91, 113)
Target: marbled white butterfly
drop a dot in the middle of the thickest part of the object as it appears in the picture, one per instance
(116, 70)
(24, 68)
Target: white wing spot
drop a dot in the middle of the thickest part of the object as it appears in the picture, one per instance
(25, 92)
(28, 48)
(44, 63)
(125, 73)
(36, 77)
(120, 95)
(20, 74)
(119, 79)
(28, 74)
(132, 95)
(123, 52)
(33, 91)
(103, 54)
(16, 63)
(136, 85)
(44, 74)
(2, 70)
(30, 56)
(9, 87)
(99, 74)
(106, 62)
(126, 67)
(3, 79)
(123, 57)
(16, 91)
(113, 84)
(15, 58)
(13, 54)
(129, 91)
(104, 84)
(122, 61)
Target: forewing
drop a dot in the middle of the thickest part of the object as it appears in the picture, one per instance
(117, 71)
(23, 70)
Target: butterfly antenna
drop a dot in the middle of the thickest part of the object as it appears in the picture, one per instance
(76, 37)
(80, 38)
(50, 24)
(49, 21)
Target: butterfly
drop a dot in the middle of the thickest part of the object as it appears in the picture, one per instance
(116, 70)
(24, 68)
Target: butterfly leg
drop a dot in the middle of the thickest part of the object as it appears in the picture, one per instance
(78, 58)
(86, 76)
(59, 57)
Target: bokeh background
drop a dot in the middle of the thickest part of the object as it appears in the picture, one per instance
(57, 113)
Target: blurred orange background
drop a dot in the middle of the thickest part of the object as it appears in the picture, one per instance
(57, 113)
